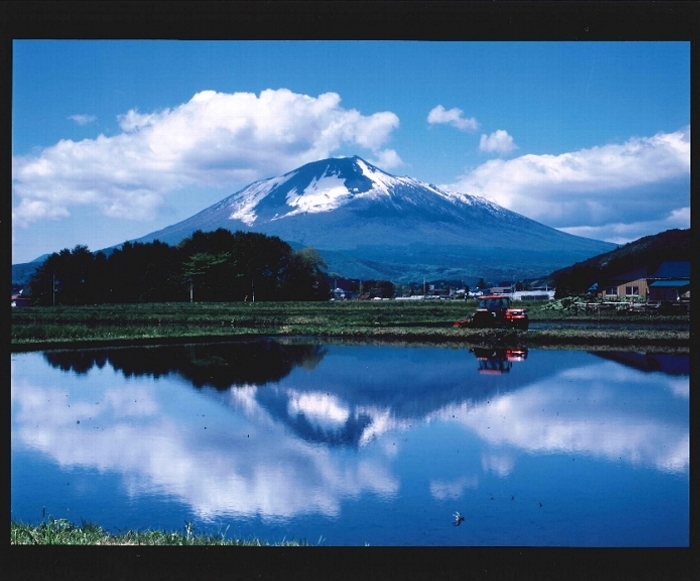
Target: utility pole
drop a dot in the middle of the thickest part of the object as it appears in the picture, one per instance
(252, 288)
(191, 289)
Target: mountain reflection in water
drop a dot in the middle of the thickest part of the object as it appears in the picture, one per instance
(282, 429)
(365, 391)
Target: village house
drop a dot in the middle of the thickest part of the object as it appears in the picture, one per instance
(502, 290)
(19, 300)
(535, 294)
(670, 281)
(626, 285)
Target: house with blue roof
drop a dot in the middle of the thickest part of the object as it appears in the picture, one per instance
(670, 282)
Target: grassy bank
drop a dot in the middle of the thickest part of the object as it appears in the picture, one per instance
(62, 532)
(423, 321)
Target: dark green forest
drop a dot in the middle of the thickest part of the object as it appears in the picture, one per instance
(207, 266)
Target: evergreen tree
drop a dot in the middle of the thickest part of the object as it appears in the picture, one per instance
(141, 272)
(68, 277)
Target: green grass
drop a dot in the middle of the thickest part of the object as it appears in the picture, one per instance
(428, 321)
(62, 532)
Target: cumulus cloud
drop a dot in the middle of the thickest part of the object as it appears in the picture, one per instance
(452, 117)
(387, 159)
(622, 233)
(213, 140)
(83, 119)
(609, 187)
(499, 141)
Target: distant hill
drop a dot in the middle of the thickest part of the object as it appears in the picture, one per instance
(647, 252)
(21, 273)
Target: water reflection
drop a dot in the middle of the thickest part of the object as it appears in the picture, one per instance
(278, 430)
(600, 408)
(219, 365)
(668, 363)
(497, 359)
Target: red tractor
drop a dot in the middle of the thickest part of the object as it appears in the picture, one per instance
(495, 311)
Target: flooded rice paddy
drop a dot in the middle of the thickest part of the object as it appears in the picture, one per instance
(354, 444)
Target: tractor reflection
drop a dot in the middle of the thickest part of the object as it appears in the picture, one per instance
(497, 360)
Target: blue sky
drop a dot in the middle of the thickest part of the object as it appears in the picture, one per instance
(115, 139)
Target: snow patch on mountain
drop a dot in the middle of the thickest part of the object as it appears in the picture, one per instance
(244, 205)
(382, 181)
(321, 195)
(472, 200)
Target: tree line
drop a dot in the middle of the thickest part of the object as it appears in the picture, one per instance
(207, 266)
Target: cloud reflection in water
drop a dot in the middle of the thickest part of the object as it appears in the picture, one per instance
(288, 446)
(602, 410)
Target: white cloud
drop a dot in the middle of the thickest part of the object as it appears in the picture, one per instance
(499, 141)
(621, 233)
(39, 210)
(387, 159)
(83, 119)
(452, 117)
(644, 179)
(213, 140)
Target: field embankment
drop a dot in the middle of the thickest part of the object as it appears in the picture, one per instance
(62, 532)
(409, 321)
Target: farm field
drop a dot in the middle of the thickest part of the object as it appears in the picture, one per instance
(429, 321)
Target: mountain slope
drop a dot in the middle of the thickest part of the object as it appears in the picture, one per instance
(647, 252)
(367, 223)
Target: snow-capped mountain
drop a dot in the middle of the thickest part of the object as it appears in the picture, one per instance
(367, 223)
(327, 203)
